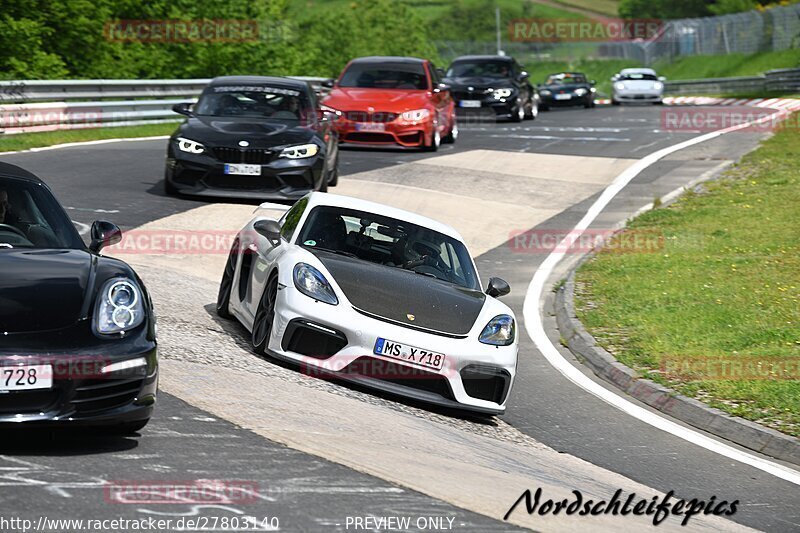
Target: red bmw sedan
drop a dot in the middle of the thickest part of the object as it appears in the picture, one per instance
(393, 101)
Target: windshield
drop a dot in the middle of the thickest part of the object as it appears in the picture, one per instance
(31, 218)
(389, 242)
(480, 69)
(385, 76)
(638, 76)
(565, 79)
(275, 103)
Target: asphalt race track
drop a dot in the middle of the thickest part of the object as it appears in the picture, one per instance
(320, 452)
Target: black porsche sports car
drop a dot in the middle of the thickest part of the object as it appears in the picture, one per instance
(493, 85)
(264, 137)
(77, 329)
(567, 89)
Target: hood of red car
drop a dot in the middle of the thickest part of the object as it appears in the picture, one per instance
(394, 100)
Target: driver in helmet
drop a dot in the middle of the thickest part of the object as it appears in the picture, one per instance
(6, 215)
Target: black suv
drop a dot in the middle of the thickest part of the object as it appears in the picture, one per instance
(496, 86)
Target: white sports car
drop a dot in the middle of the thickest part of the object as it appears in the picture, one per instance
(376, 295)
(637, 85)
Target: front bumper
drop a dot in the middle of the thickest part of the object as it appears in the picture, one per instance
(490, 107)
(395, 132)
(280, 179)
(638, 96)
(80, 394)
(552, 101)
(338, 341)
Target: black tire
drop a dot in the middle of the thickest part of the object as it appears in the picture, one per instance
(169, 188)
(435, 141)
(660, 102)
(226, 284)
(544, 107)
(451, 137)
(614, 102)
(126, 428)
(265, 315)
(519, 114)
(333, 179)
(530, 115)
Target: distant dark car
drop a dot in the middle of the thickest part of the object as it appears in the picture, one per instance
(263, 137)
(567, 89)
(492, 84)
(78, 334)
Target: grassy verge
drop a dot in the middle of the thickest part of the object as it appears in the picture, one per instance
(24, 141)
(604, 7)
(724, 288)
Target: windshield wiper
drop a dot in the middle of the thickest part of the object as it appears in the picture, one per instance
(337, 252)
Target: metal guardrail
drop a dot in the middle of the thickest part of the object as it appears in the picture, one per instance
(784, 80)
(45, 105)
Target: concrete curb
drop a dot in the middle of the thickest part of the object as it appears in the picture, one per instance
(695, 413)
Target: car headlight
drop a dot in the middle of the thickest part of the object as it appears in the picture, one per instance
(499, 331)
(313, 284)
(300, 151)
(545, 92)
(415, 115)
(658, 86)
(580, 91)
(619, 86)
(188, 145)
(502, 93)
(119, 307)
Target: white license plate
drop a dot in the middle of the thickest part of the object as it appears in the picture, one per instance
(409, 354)
(26, 377)
(470, 103)
(563, 96)
(243, 170)
(370, 126)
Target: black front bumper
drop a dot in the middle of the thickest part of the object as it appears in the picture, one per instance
(490, 108)
(280, 179)
(550, 101)
(81, 395)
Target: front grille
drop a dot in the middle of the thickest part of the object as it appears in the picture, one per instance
(369, 137)
(407, 376)
(27, 402)
(485, 382)
(243, 183)
(254, 156)
(364, 116)
(309, 340)
(103, 394)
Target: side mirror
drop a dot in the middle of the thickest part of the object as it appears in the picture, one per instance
(104, 234)
(497, 288)
(270, 229)
(328, 84)
(184, 108)
(523, 76)
(442, 88)
(662, 78)
(328, 113)
(592, 82)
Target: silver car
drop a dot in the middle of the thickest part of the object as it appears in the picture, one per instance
(637, 85)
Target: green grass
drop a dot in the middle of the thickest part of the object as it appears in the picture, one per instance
(24, 141)
(724, 66)
(725, 286)
(604, 7)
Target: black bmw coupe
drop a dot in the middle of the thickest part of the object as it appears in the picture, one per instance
(77, 329)
(253, 136)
